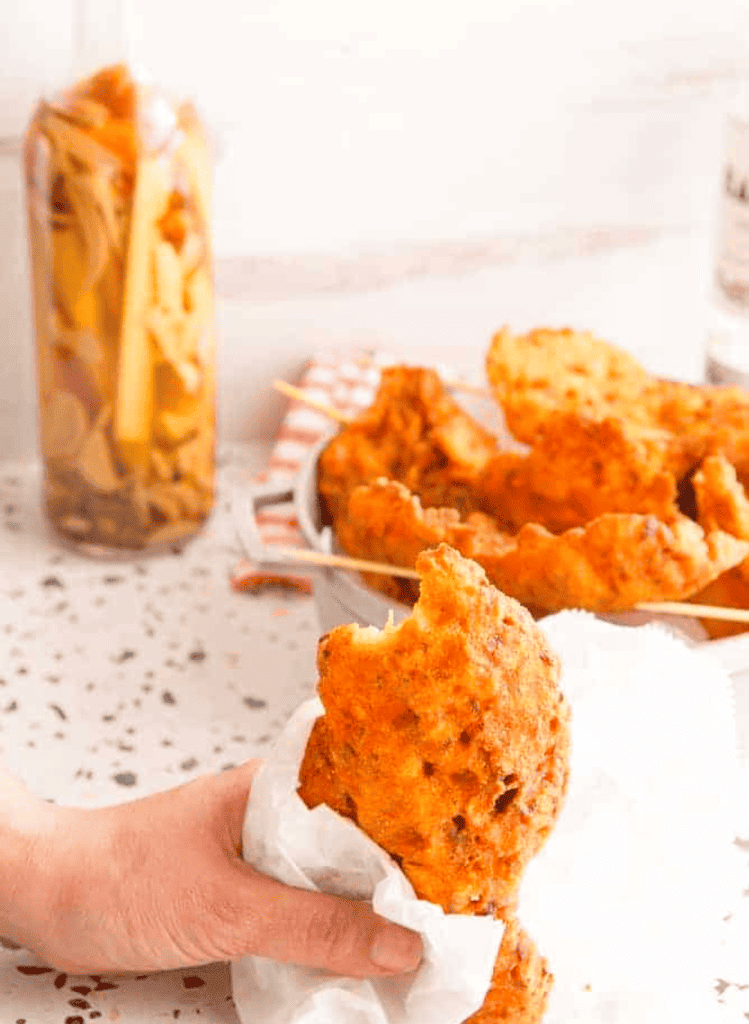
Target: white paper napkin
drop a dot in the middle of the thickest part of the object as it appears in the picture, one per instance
(321, 850)
(627, 898)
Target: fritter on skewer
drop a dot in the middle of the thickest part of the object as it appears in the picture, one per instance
(414, 432)
(446, 739)
(613, 563)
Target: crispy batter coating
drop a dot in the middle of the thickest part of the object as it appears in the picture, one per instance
(466, 691)
(704, 421)
(414, 432)
(578, 469)
(520, 984)
(722, 504)
(613, 563)
(447, 740)
(721, 500)
(547, 371)
(731, 590)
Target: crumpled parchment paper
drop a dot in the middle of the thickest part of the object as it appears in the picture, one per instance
(627, 898)
(320, 850)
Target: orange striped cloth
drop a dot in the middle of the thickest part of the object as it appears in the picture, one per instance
(346, 382)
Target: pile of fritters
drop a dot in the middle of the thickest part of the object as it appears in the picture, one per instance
(446, 739)
(631, 490)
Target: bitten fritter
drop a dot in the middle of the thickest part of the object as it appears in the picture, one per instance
(448, 736)
(446, 739)
(611, 564)
(577, 470)
(414, 432)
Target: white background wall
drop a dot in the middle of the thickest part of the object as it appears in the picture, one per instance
(416, 171)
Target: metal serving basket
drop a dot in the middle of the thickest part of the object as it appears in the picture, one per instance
(341, 596)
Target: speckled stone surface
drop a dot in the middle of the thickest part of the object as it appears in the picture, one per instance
(121, 678)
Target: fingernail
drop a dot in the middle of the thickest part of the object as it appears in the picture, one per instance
(396, 949)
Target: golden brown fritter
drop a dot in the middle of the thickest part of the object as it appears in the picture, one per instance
(578, 469)
(731, 590)
(613, 563)
(520, 984)
(721, 500)
(722, 504)
(414, 432)
(704, 421)
(446, 739)
(547, 371)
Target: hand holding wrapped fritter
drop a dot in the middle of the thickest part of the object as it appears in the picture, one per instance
(446, 740)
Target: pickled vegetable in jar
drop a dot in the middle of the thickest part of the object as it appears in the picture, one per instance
(118, 182)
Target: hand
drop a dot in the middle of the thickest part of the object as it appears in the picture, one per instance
(159, 883)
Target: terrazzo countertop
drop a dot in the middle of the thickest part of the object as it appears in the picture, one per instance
(121, 678)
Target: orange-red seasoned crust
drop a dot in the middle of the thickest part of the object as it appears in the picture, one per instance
(446, 738)
(577, 470)
(520, 984)
(414, 432)
(612, 563)
(550, 371)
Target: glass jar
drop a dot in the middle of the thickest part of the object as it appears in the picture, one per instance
(118, 185)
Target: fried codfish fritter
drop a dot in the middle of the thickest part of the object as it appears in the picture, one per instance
(520, 984)
(446, 739)
(577, 470)
(414, 432)
(546, 371)
(612, 564)
(417, 434)
(722, 504)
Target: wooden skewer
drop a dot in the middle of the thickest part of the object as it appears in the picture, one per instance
(699, 611)
(695, 611)
(301, 396)
(344, 562)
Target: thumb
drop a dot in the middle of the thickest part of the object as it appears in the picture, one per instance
(314, 929)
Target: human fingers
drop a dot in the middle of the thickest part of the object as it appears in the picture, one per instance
(229, 792)
(315, 929)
